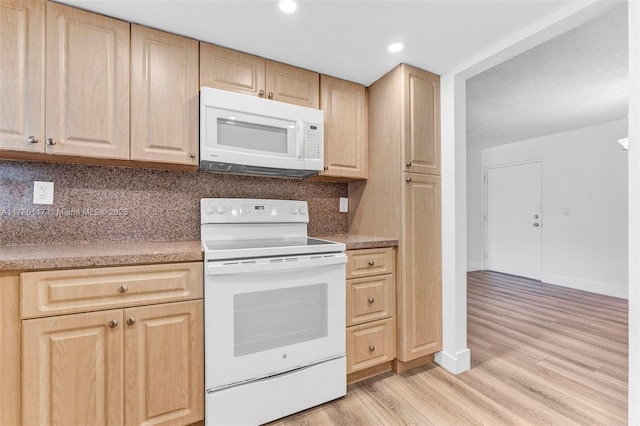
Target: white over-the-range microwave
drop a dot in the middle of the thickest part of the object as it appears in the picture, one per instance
(243, 134)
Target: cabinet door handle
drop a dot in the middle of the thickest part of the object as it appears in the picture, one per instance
(372, 348)
(131, 321)
(113, 323)
(371, 300)
(192, 155)
(32, 139)
(409, 164)
(371, 263)
(51, 141)
(270, 96)
(326, 167)
(123, 288)
(261, 94)
(408, 179)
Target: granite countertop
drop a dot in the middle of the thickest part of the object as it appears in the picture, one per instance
(354, 242)
(78, 255)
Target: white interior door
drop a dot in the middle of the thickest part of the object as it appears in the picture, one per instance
(514, 220)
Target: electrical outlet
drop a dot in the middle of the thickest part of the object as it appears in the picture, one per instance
(42, 192)
(344, 205)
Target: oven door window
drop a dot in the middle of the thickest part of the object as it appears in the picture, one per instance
(278, 318)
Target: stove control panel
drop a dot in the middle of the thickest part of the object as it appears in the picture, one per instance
(243, 210)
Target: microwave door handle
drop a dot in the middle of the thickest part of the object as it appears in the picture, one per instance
(299, 139)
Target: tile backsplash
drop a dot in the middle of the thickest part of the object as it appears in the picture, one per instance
(102, 203)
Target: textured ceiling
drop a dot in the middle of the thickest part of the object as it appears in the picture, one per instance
(347, 38)
(575, 80)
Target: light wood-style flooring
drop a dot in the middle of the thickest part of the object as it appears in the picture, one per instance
(540, 355)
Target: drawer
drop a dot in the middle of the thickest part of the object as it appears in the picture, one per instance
(370, 344)
(370, 298)
(81, 290)
(367, 262)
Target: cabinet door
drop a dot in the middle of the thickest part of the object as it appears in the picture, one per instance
(74, 370)
(420, 293)
(231, 70)
(370, 298)
(164, 97)
(164, 364)
(422, 131)
(87, 83)
(370, 344)
(22, 75)
(345, 128)
(293, 85)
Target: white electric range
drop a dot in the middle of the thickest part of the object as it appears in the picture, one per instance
(274, 311)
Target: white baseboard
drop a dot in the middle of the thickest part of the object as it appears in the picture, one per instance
(475, 266)
(585, 285)
(454, 363)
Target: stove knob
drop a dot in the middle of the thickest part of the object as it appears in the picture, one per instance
(219, 209)
(302, 210)
(210, 210)
(293, 210)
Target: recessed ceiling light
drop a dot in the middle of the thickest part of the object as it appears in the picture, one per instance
(288, 6)
(395, 46)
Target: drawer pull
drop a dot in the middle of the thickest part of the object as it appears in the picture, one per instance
(371, 263)
(372, 348)
(113, 323)
(131, 321)
(371, 300)
(123, 288)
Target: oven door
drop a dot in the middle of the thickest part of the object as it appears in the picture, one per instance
(272, 315)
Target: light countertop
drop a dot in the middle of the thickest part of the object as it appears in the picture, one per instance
(79, 255)
(82, 255)
(354, 242)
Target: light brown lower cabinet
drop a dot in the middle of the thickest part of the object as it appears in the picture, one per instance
(371, 303)
(140, 365)
(136, 358)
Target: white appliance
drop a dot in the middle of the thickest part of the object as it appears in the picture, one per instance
(243, 134)
(274, 311)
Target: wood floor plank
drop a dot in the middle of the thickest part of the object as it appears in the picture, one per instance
(540, 355)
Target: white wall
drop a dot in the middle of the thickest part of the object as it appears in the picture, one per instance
(584, 205)
(474, 209)
(634, 213)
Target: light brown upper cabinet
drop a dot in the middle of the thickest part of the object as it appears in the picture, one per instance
(228, 69)
(422, 121)
(22, 76)
(164, 97)
(345, 129)
(87, 84)
(86, 81)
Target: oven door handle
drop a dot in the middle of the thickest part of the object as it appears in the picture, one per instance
(249, 266)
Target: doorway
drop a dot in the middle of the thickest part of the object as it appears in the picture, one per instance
(513, 213)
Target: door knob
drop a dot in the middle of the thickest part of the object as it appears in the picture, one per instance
(536, 224)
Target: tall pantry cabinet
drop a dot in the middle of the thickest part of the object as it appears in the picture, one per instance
(401, 199)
